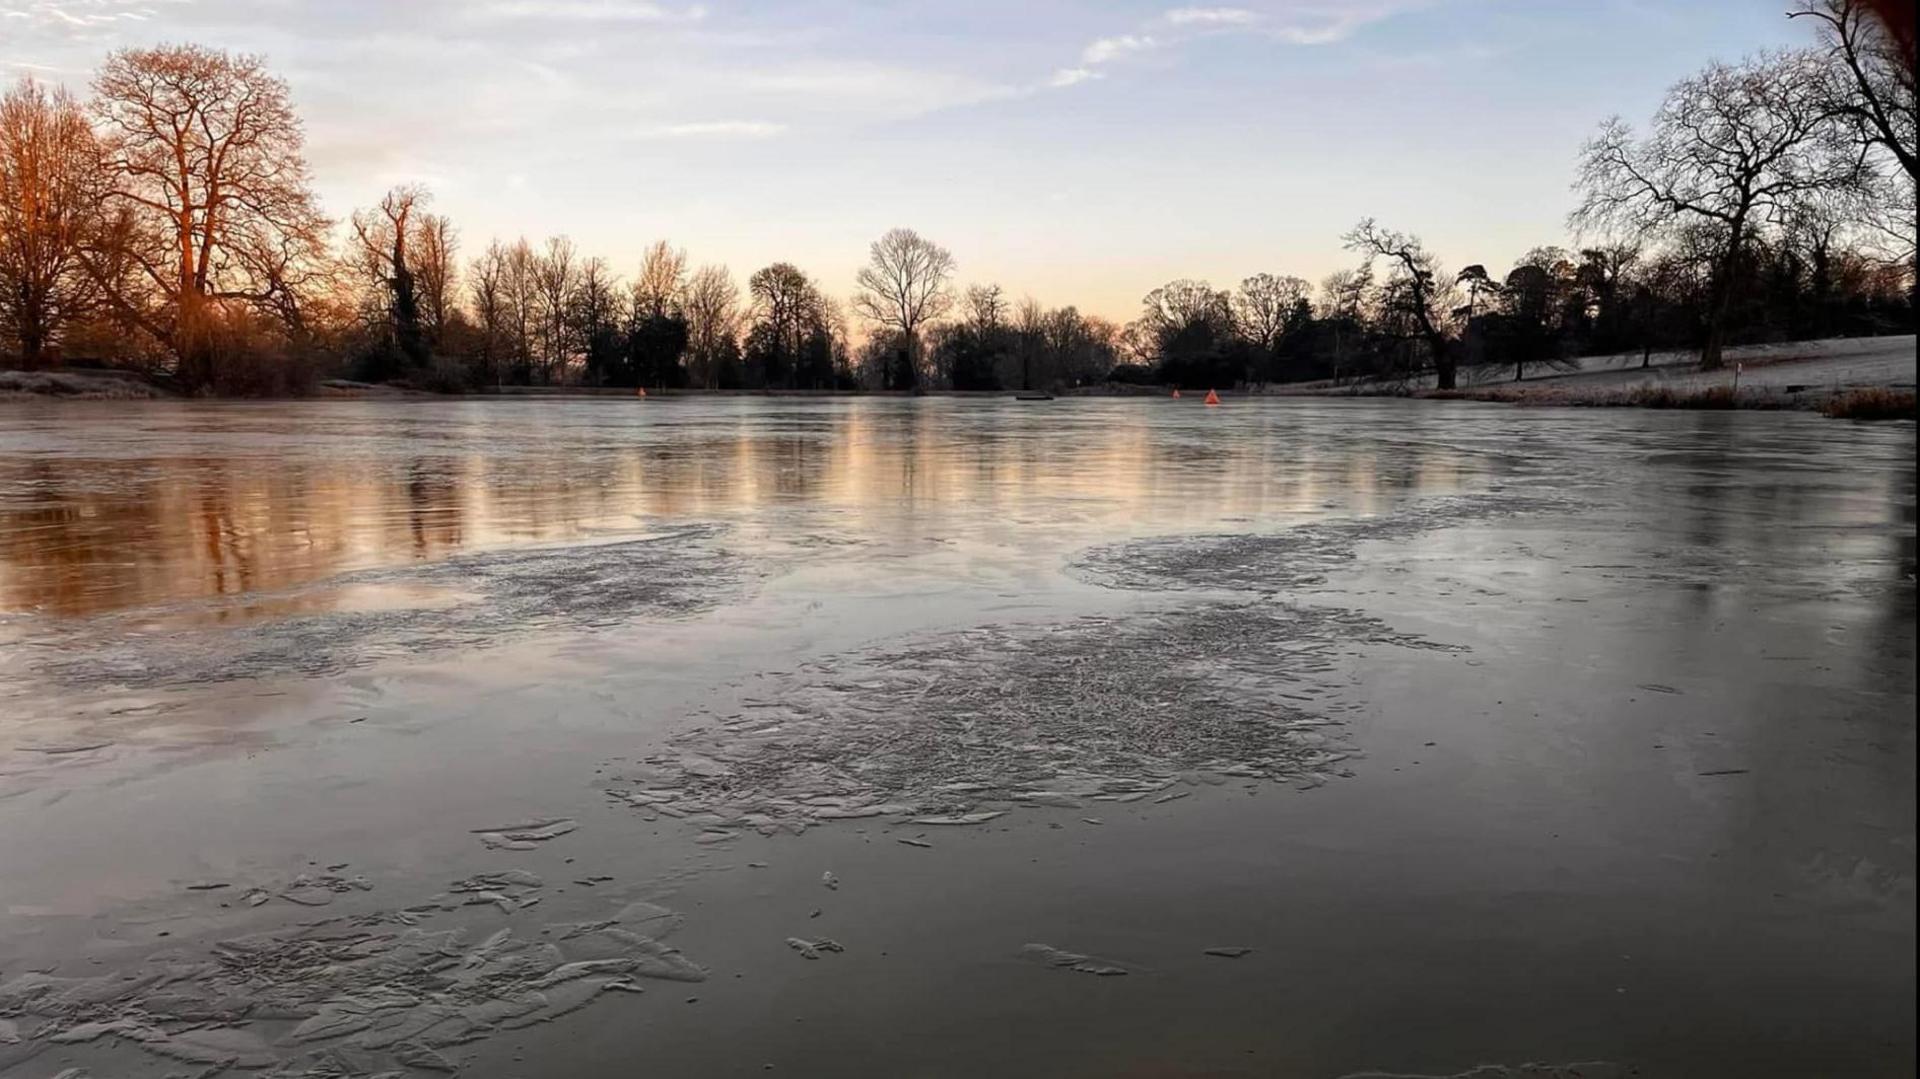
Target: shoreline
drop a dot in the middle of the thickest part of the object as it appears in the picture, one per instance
(1863, 403)
(1851, 378)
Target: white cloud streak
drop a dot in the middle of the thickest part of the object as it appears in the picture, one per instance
(1315, 22)
(716, 129)
(588, 11)
(1109, 49)
(79, 15)
(1211, 16)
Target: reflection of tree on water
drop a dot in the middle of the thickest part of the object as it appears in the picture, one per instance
(433, 506)
(1893, 637)
(280, 497)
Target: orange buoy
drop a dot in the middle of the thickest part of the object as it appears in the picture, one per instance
(640, 391)
(1176, 395)
(1213, 399)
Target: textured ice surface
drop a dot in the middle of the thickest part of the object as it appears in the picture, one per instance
(954, 728)
(1050, 956)
(1590, 1070)
(509, 593)
(1291, 559)
(351, 996)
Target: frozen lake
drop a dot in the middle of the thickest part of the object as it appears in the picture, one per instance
(563, 737)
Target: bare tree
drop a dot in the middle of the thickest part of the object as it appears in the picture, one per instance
(49, 213)
(1729, 147)
(986, 308)
(1889, 222)
(1344, 296)
(786, 306)
(835, 332)
(291, 279)
(661, 287)
(435, 271)
(1414, 297)
(1265, 307)
(1869, 78)
(203, 147)
(523, 302)
(713, 321)
(1029, 335)
(1079, 349)
(594, 312)
(383, 236)
(1185, 302)
(487, 293)
(902, 287)
(555, 274)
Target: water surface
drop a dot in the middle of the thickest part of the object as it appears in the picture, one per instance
(1498, 734)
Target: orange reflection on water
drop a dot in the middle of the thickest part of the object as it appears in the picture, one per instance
(107, 507)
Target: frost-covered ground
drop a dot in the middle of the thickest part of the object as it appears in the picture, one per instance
(75, 384)
(1806, 368)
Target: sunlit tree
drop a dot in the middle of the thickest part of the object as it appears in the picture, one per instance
(50, 189)
(384, 237)
(203, 148)
(436, 246)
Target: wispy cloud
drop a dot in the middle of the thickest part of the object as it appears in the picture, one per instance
(79, 15)
(1211, 16)
(1312, 22)
(1328, 26)
(589, 11)
(715, 129)
(44, 69)
(1109, 49)
(860, 91)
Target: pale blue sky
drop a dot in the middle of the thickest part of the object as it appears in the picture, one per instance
(1080, 152)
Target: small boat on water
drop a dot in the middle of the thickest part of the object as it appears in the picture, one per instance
(1033, 396)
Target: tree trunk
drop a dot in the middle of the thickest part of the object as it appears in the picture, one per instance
(32, 327)
(1445, 365)
(906, 373)
(1722, 296)
(1711, 349)
(33, 348)
(193, 342)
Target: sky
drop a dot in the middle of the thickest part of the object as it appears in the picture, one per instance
(1076, 151)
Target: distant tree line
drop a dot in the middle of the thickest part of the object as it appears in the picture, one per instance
(168, 222)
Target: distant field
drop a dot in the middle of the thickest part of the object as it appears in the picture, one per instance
(1813, 369)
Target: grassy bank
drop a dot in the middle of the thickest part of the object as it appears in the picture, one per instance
(1875, 403)
(76, 385)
